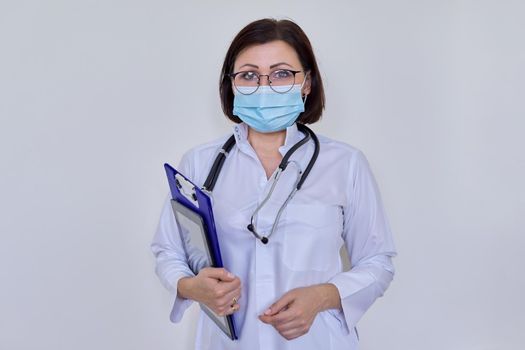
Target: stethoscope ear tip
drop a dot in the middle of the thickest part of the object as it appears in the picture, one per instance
(263, 239)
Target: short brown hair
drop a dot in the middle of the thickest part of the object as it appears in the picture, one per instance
(263, 31)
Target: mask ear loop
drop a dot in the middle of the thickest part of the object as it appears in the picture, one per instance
(302, 85)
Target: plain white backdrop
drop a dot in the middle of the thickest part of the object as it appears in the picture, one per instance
(96, 95)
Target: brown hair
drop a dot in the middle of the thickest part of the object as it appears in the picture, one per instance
(263, 31)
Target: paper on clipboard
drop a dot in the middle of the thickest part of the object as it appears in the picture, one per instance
(194, 216)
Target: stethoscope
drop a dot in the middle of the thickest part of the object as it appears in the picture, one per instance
(215, 170)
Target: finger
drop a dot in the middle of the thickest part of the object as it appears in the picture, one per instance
(292, 334)
(265, 319)
(230, 298)
(233, 308)
(219, 273)
(236, 297)
(234, 293)
(223, 290)
(227, 310)
(269, 319)
(293, 324)
(233, 297)
(280, 304)
(283, 317)
(230, 285)
(275, 320)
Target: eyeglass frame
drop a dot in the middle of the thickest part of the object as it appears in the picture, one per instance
(294, 72)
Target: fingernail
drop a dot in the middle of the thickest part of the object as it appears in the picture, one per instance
(231, 275)
(267, 312)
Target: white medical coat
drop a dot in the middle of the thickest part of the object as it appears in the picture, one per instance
(338, 204)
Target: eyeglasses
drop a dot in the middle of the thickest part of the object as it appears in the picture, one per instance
(280, 81)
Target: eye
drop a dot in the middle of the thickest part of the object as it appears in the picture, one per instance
(282, 74)
(247, 76)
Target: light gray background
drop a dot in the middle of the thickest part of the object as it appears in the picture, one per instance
(96, 95)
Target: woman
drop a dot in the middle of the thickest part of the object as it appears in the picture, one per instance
(284, 281)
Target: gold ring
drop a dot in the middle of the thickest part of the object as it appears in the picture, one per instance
(234, 301)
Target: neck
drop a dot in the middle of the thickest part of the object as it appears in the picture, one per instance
(266, 144)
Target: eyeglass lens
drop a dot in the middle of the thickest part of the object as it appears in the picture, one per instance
(280, 81)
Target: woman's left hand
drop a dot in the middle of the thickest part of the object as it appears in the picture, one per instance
(293, 314)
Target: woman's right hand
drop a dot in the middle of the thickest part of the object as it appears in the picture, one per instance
(216, 288)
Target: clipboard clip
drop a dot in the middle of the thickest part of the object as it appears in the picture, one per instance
(187, 189)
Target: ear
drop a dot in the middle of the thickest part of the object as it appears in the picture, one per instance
(307, 85)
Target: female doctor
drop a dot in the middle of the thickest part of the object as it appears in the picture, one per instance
(280, 232)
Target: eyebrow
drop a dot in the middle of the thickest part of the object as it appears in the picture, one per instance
(272, 66)
(280, 64)
(249, 65)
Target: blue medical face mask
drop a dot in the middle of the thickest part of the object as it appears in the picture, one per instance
(268, 111)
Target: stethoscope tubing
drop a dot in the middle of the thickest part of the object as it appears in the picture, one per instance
(217, 165)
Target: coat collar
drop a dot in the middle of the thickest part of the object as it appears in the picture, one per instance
(240, 131)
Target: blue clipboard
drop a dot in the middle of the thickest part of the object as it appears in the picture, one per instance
(193, 203)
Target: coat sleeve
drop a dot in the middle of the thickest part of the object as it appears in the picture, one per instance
(170, 258)
(369, 244)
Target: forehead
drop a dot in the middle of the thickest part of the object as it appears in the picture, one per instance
(265, 55)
